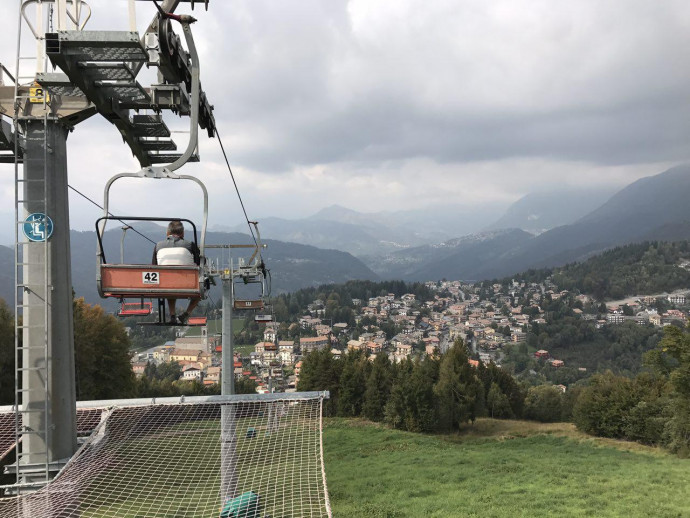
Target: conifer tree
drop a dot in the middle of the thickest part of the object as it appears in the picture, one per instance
(352, 384)
(320, 371)
(459, 389)
(422, 408)
(672, 359)
(396, 408)
(378, 388)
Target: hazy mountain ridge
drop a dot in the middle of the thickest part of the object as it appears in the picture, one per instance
(651, 208)
(538, 212)
(638, 212)
(458, 258)
(367, 235)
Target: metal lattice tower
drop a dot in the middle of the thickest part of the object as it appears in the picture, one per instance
(45, 417)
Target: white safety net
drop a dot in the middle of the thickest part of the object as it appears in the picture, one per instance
(248, 457)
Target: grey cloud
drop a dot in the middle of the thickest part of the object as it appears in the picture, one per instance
(608, 88)
(469, 91)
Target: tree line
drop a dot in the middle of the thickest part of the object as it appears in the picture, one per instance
(651, 408)
(441, 394)
(423, 395)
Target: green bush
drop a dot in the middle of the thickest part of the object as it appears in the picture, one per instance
(544, 403)
(603, 407)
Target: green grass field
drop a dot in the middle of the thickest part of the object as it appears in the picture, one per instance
(215, 327)
(175, 472)
(498, 469)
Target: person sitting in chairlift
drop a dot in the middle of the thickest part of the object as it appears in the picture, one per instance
(175, 250)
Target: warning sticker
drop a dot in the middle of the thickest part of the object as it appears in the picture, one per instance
(37, 94)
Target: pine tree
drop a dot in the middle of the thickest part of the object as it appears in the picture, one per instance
(672, 360)
(352, 384)
(422, 405)
(396, 407)
(459, 390)
(320, 371)
(378, 388)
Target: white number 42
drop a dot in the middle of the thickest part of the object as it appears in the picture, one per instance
(149, 278)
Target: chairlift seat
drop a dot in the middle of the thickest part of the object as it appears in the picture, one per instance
(135, 309)
(240, 304)
(150, 281)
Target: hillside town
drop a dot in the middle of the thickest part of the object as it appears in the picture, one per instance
(489, 317)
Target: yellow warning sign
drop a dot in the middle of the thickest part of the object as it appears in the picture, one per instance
(36, 94)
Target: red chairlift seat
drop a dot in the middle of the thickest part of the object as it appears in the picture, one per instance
(148, 280)
(135, 309)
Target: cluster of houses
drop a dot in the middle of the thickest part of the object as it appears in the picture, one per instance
(195, 355)
(486, 317)
(542, 354)
(644, 311)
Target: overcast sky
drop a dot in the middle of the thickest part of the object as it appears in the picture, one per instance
(388, 105)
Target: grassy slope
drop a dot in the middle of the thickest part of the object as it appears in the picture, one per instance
(496, 469)
(215, 327)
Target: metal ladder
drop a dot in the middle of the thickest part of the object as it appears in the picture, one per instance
(32, 302)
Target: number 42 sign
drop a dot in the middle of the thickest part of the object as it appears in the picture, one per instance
(150, 278)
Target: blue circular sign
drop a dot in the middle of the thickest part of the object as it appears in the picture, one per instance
(38, 227)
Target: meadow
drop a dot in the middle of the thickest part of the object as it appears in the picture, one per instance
(215, 327)
(498, 469)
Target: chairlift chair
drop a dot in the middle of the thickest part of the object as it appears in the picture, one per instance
(263, 318)
(124, 281)
(241, 299)
(147, 280)
(266, 316)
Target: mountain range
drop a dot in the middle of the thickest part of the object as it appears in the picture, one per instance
(453, 259)
(338, 244)
(376, 233)
(538, 212)
(652, 208)
(373, 235)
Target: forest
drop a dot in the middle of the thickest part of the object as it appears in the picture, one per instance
(645, 268)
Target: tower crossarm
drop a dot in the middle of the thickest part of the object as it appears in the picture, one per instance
(103, 65)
